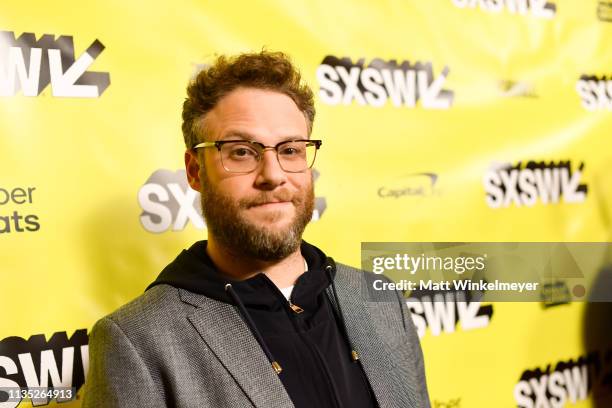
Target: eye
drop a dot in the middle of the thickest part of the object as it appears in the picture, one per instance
(242, 152)
(288, 151)
(293, 149)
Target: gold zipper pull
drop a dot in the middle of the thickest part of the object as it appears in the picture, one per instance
(277, 368)
(295, 308)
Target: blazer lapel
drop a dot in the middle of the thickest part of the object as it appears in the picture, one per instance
(387, 378)
(229, 338)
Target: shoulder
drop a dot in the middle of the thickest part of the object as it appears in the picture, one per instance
(364, 282)
(358, 288)
(157, 307)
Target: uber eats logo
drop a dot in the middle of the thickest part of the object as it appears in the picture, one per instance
(536, 8)
(526, 184)
(37, 365)
(406, 84)
(30, 65)
(169, 203)
(21, 218)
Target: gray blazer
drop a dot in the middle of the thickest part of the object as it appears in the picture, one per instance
(174, 348)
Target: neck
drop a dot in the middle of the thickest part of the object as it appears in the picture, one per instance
(234, 265)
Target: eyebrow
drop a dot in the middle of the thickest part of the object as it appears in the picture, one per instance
(237, 135)
(232, 135)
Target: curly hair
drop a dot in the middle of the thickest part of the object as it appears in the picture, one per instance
(263, 70)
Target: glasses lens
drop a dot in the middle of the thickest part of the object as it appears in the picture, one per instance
(239, 157)
(296, 156)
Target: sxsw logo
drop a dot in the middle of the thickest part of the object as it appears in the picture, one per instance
(559, 384)
(524, 184)
(537, 8)
(30, 65)
(41, 364)
(595, 92)
(445, 311)
(169, 203)
(342, 81)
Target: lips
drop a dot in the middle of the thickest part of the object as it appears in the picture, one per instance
(277, 199)
(271, 204)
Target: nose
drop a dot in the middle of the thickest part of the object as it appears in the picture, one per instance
(270, 174)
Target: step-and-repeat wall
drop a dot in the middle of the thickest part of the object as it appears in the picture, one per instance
(435, 116)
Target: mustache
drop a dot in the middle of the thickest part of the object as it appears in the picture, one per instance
(266, 197)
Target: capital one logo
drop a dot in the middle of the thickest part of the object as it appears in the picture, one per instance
(169, 203)
(30, 65)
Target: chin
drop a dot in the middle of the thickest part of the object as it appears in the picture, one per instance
(278, 224)
(272, 217)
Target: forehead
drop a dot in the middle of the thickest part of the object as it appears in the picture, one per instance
(265, 115)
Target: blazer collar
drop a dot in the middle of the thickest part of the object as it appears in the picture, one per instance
(388, 380)
(228, 337)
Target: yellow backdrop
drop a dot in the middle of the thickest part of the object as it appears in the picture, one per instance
(424, 108)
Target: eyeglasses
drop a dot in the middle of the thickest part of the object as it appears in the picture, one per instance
(243, 156)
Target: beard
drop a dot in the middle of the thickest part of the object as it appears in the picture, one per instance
(226, 221)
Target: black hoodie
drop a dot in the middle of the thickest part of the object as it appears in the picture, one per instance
(305, 336)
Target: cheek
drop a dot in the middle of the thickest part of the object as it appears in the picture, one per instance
(229, 184)
(214, 171)
(234, 186)
(301, 182)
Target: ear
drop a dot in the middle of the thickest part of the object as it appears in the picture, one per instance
(192, 168)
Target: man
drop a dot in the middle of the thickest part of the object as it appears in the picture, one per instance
(255, 317)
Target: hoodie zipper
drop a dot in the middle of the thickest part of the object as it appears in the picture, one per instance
(295, 307)
(294, 312)
(314, 351)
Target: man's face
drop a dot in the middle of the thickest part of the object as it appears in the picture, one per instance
(261, 214)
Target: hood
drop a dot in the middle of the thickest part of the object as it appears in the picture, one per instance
(193, 270)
